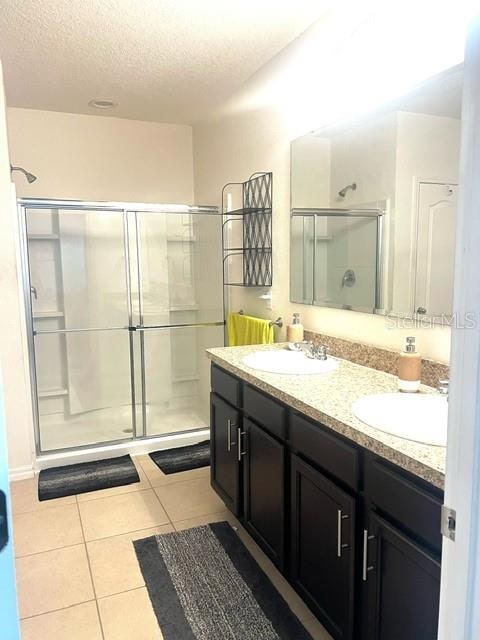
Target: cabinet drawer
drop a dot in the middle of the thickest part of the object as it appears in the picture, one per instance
(409, 504)
(266, 411)
(226, 386)
(334, 455)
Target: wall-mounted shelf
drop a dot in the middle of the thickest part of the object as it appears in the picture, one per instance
(181, 238)
(256, 218)
(186, 307)
(43, 236)
(187, 378)
(39, 315)
(53, 393)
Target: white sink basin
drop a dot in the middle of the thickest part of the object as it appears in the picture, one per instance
(288, 362)
(414, 416)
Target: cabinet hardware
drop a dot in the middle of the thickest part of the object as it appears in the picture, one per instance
(229, 434)
(241, 453)
(340, 516)
(365, 567)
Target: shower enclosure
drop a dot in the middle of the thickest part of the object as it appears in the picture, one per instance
(122, 300)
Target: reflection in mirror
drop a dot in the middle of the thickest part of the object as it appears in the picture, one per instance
(374, 206)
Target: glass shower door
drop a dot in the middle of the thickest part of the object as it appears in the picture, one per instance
(178, 312)
(80, 312)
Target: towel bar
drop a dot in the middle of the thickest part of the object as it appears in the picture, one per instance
(278, 322)
(273, 323)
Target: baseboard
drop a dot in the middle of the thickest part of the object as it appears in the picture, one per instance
(20, 473)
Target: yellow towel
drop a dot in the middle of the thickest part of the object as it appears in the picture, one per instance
(243, 330)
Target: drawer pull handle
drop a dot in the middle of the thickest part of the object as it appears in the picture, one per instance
(365, 567)
(241, 453)
(340, 516)
(229, 434)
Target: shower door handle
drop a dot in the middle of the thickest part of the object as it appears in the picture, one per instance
(34, 291)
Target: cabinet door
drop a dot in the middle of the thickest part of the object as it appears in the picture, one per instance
(264, 484)
(322, 530)
(403, 585)
(225, 467)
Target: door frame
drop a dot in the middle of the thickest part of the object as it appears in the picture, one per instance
(460, 583)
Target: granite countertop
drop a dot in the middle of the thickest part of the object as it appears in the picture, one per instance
(328, 398)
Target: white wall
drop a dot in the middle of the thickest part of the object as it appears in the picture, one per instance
(100, 158)
(12, 328)
(310, 172)
(253, 133)
(364, 154)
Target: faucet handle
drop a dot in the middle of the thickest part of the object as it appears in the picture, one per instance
(443, 387)
(319, 351)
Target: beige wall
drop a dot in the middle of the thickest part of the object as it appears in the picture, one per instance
(100, 158)
(18, 414)
(231, 148)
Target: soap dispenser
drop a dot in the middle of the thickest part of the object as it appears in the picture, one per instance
(409, 368)
(295, 330)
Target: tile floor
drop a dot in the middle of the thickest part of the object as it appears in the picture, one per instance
(77, 572)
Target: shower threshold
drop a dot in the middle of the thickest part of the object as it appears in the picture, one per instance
(133, 447)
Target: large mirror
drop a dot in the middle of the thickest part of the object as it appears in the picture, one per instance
(373, 206)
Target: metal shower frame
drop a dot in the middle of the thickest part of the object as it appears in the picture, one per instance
(379, 214)
(123, 209)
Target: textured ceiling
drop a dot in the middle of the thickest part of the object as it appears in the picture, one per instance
(160, 60)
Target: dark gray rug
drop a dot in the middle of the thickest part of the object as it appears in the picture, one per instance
(86, 476)
(205, 585)
(183, 458)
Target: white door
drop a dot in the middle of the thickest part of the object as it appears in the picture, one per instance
(436, 223)
(460, 584)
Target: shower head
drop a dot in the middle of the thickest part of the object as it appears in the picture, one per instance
(29, 176)
(343, 192)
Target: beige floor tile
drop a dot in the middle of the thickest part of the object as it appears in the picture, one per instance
(25, 497)
(113, 516)
(116, 491)
(114, 564)
(47, 529)
(158, 479)
(128, 616)
(206, 519)
(75, 623)
(53, 580)
(189, 499)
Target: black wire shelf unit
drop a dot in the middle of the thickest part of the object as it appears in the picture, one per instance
(255, 217)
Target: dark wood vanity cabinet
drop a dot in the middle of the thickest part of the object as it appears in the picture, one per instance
(264, 490)
(225, 426)
(357, 537)
(323, 547)
(402, 582)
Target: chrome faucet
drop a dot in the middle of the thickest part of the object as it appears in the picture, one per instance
(312, 350)
(443, 387)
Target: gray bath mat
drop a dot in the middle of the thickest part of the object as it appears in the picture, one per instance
(183, 458)
(205, 585)
(86, 476)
